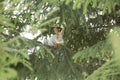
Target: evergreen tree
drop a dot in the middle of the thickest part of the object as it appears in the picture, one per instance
(91, 40)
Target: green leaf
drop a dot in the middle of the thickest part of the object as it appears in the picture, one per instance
(49, 21)
(7, 73)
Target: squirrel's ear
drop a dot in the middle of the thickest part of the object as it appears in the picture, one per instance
(62, 31)
(55, 30)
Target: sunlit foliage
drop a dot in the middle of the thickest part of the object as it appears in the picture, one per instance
(91, 48)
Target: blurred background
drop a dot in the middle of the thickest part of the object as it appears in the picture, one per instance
(91, 40)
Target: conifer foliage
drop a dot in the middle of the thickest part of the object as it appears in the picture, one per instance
(91, 40)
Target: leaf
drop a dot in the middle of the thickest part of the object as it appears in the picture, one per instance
(86, 6)
(7, 73)
(94, 3)
(49, 21)
(48, 50)
(26, 64)
(67, 2)
(6, 22)
(62, 0)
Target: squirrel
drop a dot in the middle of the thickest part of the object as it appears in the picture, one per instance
(56, 39)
